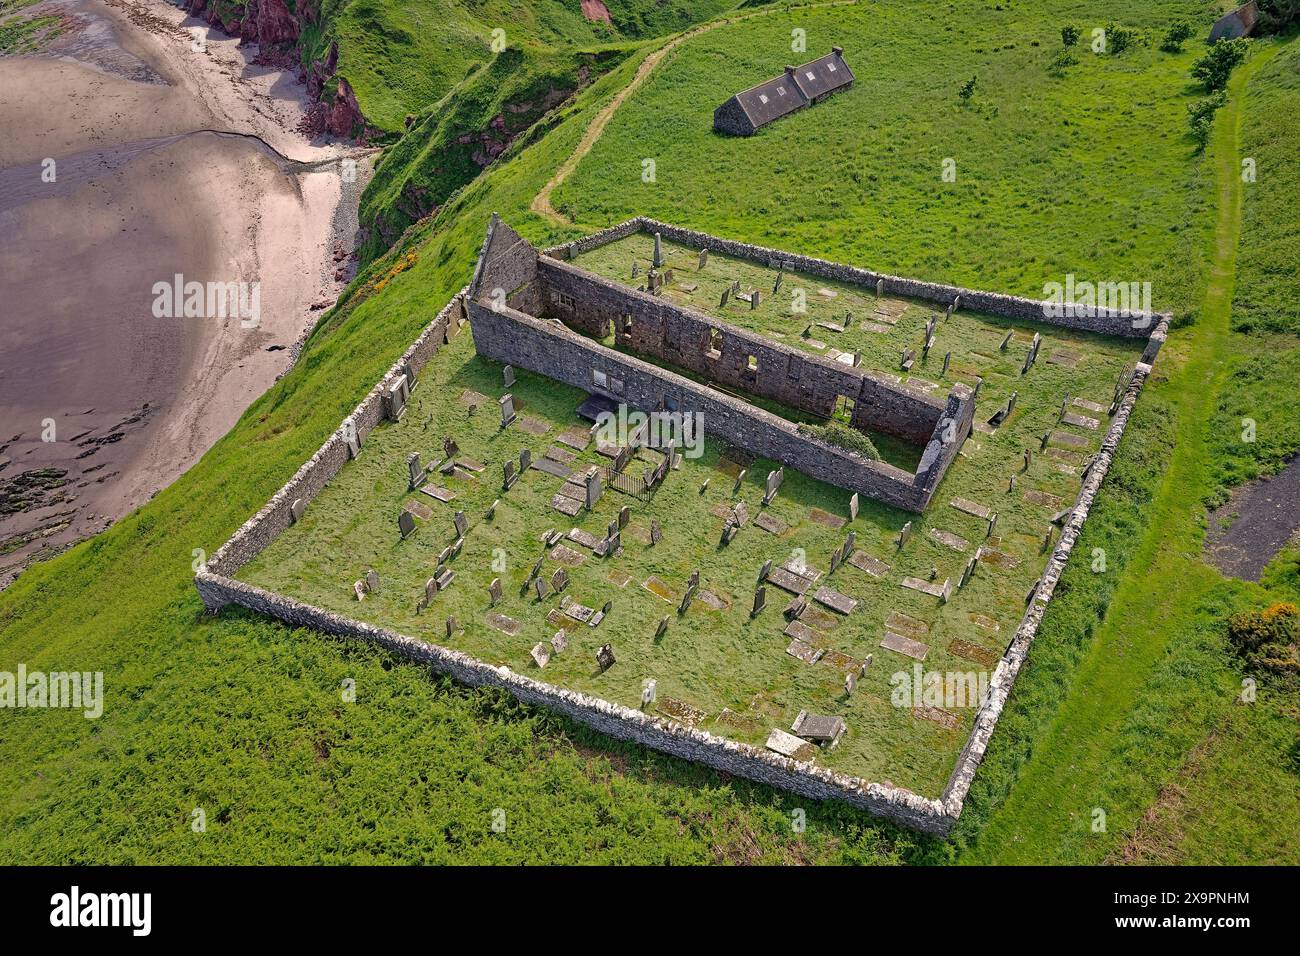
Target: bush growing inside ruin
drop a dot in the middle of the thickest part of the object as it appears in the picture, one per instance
(843, 436)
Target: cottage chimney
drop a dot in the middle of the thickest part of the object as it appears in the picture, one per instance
(789, 71)
(838, 51)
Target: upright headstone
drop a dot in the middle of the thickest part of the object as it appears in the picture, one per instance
(525, 459)
(592, 487)
(452, 626)
(449, 447)
(539, 584)
(704, 258)
(853, 507)
(740, 477)
(372, 581)
(765, 570)
(507, 403)
(559, 580)
(508, 376)
(624, 516)
(405, 524)
(494, 591)
(755, 299)
(1006, 340)
(726, 294)
(659, 251)
(508, 473)
(648, 692)
(760, 600)
(656, 533)
(947, 360)
(904, 533)
(415, 473)
(662, 628)
(462, 524)
(880, 288)
(605, 657)
(296, 509)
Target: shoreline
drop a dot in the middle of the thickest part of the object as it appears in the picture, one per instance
(172, 156)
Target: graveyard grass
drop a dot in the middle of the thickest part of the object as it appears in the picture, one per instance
(242, 717)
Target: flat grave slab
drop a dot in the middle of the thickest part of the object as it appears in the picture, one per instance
(574, 438)
(655, 586)
(945, 719)
(905, 646)
(932, 588)
(770, 523)
(804, 651)
(975, 652)
(950, 540)
(906, 624)
(567, 556)
(971, 508)
(1065, 357)
(566, 506)
(999, 559)
(471, 397)
(984, 621)
(840, 603)
(584, 538)
(1036, 497)
(788, 581)
(1094, 407)
(419, 509)
(679, 711)
(826, 518)
(788, 745)
(534, 426)
(1080, 421)
(438, 494)
(800, 631)
(865, 562)
(553, 468)
(714, 601)
(562, 455)
(506, 625)
(1067, 440)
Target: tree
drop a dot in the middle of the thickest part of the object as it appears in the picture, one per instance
(967, 89)
(1176, 37)
(1069, 35)
(1217, 65)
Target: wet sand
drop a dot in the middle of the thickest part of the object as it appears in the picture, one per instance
(143, 191)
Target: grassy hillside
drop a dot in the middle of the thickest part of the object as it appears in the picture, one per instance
(244, 718)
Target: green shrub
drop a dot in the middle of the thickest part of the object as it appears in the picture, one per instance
(1267, 639)
(1062, 61)
(968, 89)
(1119, 38)
(1200, 117)
(1177, 35)
(1217, 65)
(1069, 35)
(842, 436)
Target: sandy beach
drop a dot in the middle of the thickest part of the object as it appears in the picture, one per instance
(141, 146)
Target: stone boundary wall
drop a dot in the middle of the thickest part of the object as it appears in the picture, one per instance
(1106, 322)
(623, 723)
(263, 528)
(217, 589)
(552, 349)
(1004, 674)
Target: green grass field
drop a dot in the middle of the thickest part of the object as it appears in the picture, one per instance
(1129, 689)
(731, 669)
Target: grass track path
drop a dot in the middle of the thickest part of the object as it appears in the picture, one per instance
(541, 203)
(1051, 803)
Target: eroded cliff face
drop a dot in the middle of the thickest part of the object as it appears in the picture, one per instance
(277, 28)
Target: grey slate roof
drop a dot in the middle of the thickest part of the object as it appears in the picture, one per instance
(794, 89)
(1238, 23)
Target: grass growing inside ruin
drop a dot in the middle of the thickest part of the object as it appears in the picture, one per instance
(731, 670)
(243, 716)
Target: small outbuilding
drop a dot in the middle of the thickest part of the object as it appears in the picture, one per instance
(1238, 23)
(799, 86)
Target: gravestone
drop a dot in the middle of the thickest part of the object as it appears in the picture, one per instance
(662, 628)
(359, 589)
(624, 516)
(537, 569)
(947, 360)
(492, 509)
(449, 448)
(726, 293)
(508, 473)
(754, 299)
(687, 598)
(559, 580)
(1011, 484)
(1005, 342)
(853, 507)
(704, 258)
(648, 692)
(740, 477)
(659, 252)
(591, 486)
(979, 383)
(656, 533)
(372, 581)
(760, 600)
(850, 683)
(605, 657)
(636, 269)
(462, 524)
(705, 487)
(405, 524)
(508, 376)
(494, 592)
(765, 570)
(430, 590)
(880, 288)
(539, 584)
(1029, 458)
(415, 473)
(559, 641)
(541, 654)
(993, 523)
(296, 509)
(904, 533)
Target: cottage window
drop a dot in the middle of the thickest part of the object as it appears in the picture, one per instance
(762, 97)
(809, 74)
(714, 345)
(626, 327)
(781, 90)
(831, 67)
(598, 378)
(567, 301)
